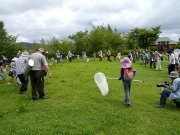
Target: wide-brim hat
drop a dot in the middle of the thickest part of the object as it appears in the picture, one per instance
(41, 49)
(14, 59)
(174, 74)
(25, 54)
(126, 63)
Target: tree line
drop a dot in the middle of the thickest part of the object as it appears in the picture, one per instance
(98, 38)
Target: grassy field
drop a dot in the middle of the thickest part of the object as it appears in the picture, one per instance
(76, 106)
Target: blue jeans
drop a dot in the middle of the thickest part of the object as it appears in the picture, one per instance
(58, 59)
(164, 95)
(127, 88)
(3, 77)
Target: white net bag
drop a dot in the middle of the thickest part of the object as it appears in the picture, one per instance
(101, 82)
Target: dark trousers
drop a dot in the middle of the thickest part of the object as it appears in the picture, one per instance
(100, 58)
(171, 68)
(24, 81)
(58, 59)
(152, 63)
(108, 58)
(164, 95)
(70, 59)
(37, 82)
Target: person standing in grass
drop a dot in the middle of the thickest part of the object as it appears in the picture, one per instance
(109, 55)
(152, 57)
(171, 61)
(171, 91)
(4, 59)
(58, 56)
(119, 56)
(125, 64)
(70, 56)
(21, 65)
(100, 55)
(158, 61)
(12, 72)
(2, 74)
(37, 74)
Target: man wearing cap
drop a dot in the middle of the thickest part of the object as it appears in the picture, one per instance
(172, 91)
(21, 65)
(37, 74)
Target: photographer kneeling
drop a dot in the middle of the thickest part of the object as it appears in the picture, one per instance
(172, 91)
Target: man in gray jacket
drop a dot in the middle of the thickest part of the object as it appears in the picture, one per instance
(172, 91)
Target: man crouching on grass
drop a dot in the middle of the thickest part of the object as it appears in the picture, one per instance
(172, 91)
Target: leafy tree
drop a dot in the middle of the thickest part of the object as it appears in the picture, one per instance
(80, 40)
(145, 37)
(8, 44)
(96, 38)
(130, 42)
(35, 46)
(62, 45)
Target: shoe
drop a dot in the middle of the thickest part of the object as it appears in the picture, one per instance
(44, 97)
(9, 83)
(34, 98)
(16, 84)
(22, 92)
(161, 106)
(127, 105)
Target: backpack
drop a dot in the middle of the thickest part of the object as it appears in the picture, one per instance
(129, 74)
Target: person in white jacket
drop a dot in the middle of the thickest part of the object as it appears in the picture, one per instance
(171, 91)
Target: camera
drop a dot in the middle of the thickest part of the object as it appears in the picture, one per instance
(162, 84)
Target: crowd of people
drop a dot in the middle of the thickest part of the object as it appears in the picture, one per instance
(19, 65)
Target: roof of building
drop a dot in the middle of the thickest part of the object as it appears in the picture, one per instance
(160, 39)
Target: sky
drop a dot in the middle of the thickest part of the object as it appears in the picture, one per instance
(33, 20)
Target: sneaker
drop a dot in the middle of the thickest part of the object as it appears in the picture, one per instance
(44, 97)
(9, 83)
(127, 105)
(34, 97)
(161, 106)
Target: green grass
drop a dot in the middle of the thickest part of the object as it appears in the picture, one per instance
(76, 106)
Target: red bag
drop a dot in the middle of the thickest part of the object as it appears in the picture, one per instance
(129, 74)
